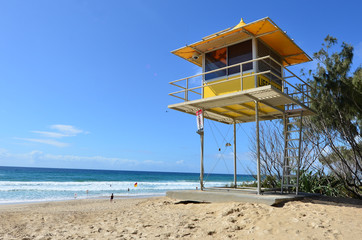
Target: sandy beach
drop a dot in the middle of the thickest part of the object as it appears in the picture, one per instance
(164, 218)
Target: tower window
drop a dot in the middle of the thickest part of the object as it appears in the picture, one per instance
(228, 56)
(215, 60)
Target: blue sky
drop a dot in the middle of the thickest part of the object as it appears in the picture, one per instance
(84, 84)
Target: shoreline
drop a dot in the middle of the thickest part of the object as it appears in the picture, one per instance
(87, 198)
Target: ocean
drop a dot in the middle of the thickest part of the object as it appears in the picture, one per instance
(23, 185)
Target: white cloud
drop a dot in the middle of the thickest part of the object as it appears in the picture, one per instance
(40, 158)
(61, 132)
(152, 162)
(75, 158)
(67, 130)
(35, 155)
(50, 134)
(45, 141)
(179, 162)
(23, 159)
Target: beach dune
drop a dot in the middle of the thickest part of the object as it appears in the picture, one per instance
(164, 218)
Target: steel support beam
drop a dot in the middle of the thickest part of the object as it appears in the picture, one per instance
(250, 108)
(202, 155)
(235, 175)
(227, 119)
(235, 111)
(261, 101)
(257, 145)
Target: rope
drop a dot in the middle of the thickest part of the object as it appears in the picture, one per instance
(220, 156)
(227, 133)
(218, 146)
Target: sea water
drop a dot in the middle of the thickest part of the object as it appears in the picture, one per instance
(20, 184)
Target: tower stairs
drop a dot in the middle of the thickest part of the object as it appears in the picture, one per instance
(292, 148)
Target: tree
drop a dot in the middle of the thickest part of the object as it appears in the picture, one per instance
(337, 98)
(271, 138)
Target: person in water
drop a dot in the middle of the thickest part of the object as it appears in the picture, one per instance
(112, 197)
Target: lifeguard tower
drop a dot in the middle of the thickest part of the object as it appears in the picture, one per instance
(245, 79)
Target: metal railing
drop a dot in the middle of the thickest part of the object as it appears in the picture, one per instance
(295, 87)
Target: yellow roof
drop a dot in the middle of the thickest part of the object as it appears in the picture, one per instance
(264, 29)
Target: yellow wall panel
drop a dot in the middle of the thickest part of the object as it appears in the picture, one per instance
(233, 85)
(263, 81)
(248, 82)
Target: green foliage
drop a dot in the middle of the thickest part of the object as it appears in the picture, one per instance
(337, 100)
(338, 93)
(321, 183)
(249, 184)
(267, 182)
(270, 182)
(309, 182)
(334, 157)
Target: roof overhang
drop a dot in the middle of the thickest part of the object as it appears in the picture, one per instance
(264, 29)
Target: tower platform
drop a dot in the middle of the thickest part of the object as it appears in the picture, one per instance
(239, 107)
(233, 195)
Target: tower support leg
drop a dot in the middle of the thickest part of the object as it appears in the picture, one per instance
(257, 145)
(202, 161)
(235, 177)
(201, 133)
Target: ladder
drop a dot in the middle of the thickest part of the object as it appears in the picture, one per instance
(292, 146)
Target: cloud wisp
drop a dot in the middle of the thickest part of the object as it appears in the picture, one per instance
(60, 131)
(50, 134)
(180, 162)
(45, 141)
(39, 158)
(67, 130)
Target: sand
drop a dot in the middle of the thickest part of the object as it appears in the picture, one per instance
(164, 218)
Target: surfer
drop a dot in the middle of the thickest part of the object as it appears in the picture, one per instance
(112, 197)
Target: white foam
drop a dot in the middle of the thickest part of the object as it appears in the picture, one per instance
(98, 186)
(17, 192)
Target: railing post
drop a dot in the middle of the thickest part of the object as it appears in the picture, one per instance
(241, 76)
(255, 61)
(202, 88)
(186, 90)
(283, 83)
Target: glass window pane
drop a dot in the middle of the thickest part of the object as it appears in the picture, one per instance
(215, 60)
(239, 53)
(268, 64)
